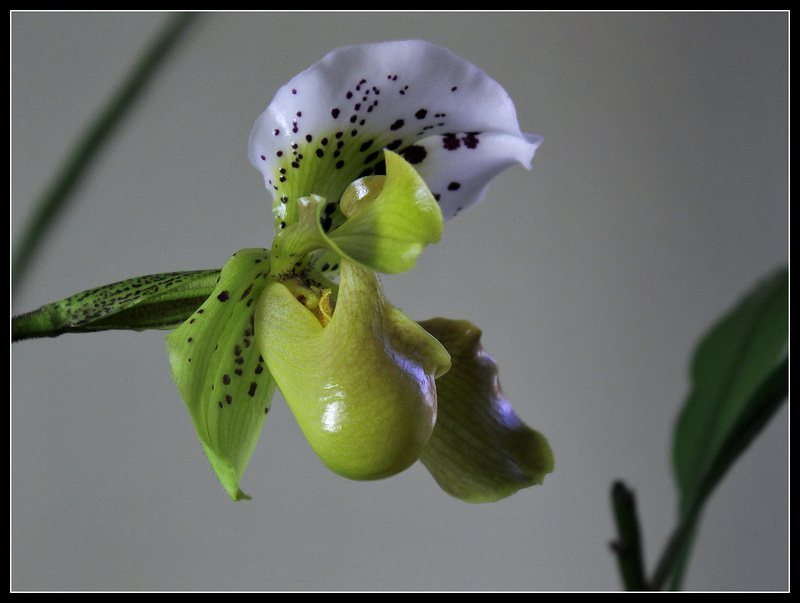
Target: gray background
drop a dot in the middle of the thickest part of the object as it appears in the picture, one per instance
(659, 196)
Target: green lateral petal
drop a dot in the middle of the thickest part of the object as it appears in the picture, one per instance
(218, 369)
(480, 450)
(362, 387)
(390, 219)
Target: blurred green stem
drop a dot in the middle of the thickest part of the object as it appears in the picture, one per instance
(628, 546)
(54, 199)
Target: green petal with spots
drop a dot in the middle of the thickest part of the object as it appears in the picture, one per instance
(218, 369)
(390, 219)
(361, 387)
(480, 450)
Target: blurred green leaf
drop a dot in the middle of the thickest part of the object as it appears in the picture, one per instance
(739, 378)
(729, 365)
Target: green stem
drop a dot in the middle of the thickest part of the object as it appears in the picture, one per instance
(99, 131)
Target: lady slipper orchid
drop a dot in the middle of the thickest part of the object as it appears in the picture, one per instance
(365, 154)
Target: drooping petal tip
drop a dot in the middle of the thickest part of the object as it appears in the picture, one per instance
(327, 127)
(480, 450)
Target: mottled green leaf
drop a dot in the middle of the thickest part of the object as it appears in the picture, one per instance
(155, 301)
(480, 450)
(218, 369)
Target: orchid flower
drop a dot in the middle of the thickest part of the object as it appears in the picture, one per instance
(364, 154)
